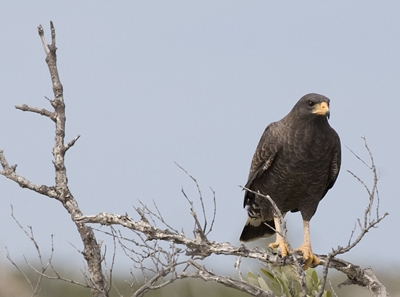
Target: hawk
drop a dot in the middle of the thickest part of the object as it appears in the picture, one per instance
(296, 162)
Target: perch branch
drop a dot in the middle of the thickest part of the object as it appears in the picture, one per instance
(201, 246)
(196, 247)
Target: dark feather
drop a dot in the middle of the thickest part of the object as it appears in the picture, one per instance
(254, 230)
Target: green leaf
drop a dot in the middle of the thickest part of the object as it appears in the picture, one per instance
(250, 274)
(284, 280)
(285, 285)
(284, 277)
(276, 288)
(288, 270)
(314, 276)
(327, 294)
(251, 279)
(309, 283)
(268, 274)
(263, 284)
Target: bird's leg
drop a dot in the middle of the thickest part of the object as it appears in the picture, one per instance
(279, 242)
(305, 248)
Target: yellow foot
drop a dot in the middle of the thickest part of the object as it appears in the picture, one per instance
(282, 245)
(308, 256)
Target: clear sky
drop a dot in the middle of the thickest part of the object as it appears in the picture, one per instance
(150, 83)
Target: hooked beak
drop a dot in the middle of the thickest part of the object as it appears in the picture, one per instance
(322, 109)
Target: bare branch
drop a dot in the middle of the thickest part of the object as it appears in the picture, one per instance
(71, 143)
(41, 111)
(201, 230)
(112, 264)
(237, 266)
(41, 34)
(164, 261)
(58, 276)
(356, 275)
(361, 182)
(9, 172)
(61, 191)
(196, 247)
(23, 273)
(201, 246)
(43, 267)
(198, 231)
(214, 213)
(92, 251)
(358, 157)
(243, 286)
(370, 280)
(159, 216)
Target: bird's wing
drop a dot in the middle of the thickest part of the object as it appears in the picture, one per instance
(265, 153)
(335, 165)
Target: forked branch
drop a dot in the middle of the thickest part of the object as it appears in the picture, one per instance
(200, 246)
(358, 276)
(60, 190)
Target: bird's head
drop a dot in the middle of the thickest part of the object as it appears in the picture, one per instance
(314, 105)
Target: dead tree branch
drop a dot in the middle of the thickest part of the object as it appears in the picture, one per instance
(42, 111)
(200, 246)
(240, 285)
(42, 271)
(60, 190)
(368, 279)
(197, 247)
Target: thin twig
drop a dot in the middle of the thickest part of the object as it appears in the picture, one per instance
(41, 34)
(214, 213)
(71, 143)
(237, 267)
(23, 273)
(198, 229)
(43, 267)
(160, 217)
(200, 197)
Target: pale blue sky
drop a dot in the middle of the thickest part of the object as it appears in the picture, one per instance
(147, 83)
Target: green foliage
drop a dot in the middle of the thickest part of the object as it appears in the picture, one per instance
(284, 281)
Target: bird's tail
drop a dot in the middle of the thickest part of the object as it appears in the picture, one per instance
(256, 228)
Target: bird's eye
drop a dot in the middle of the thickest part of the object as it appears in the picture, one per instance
(310, 103)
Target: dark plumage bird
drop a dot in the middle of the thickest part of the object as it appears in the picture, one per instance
(296, 162)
